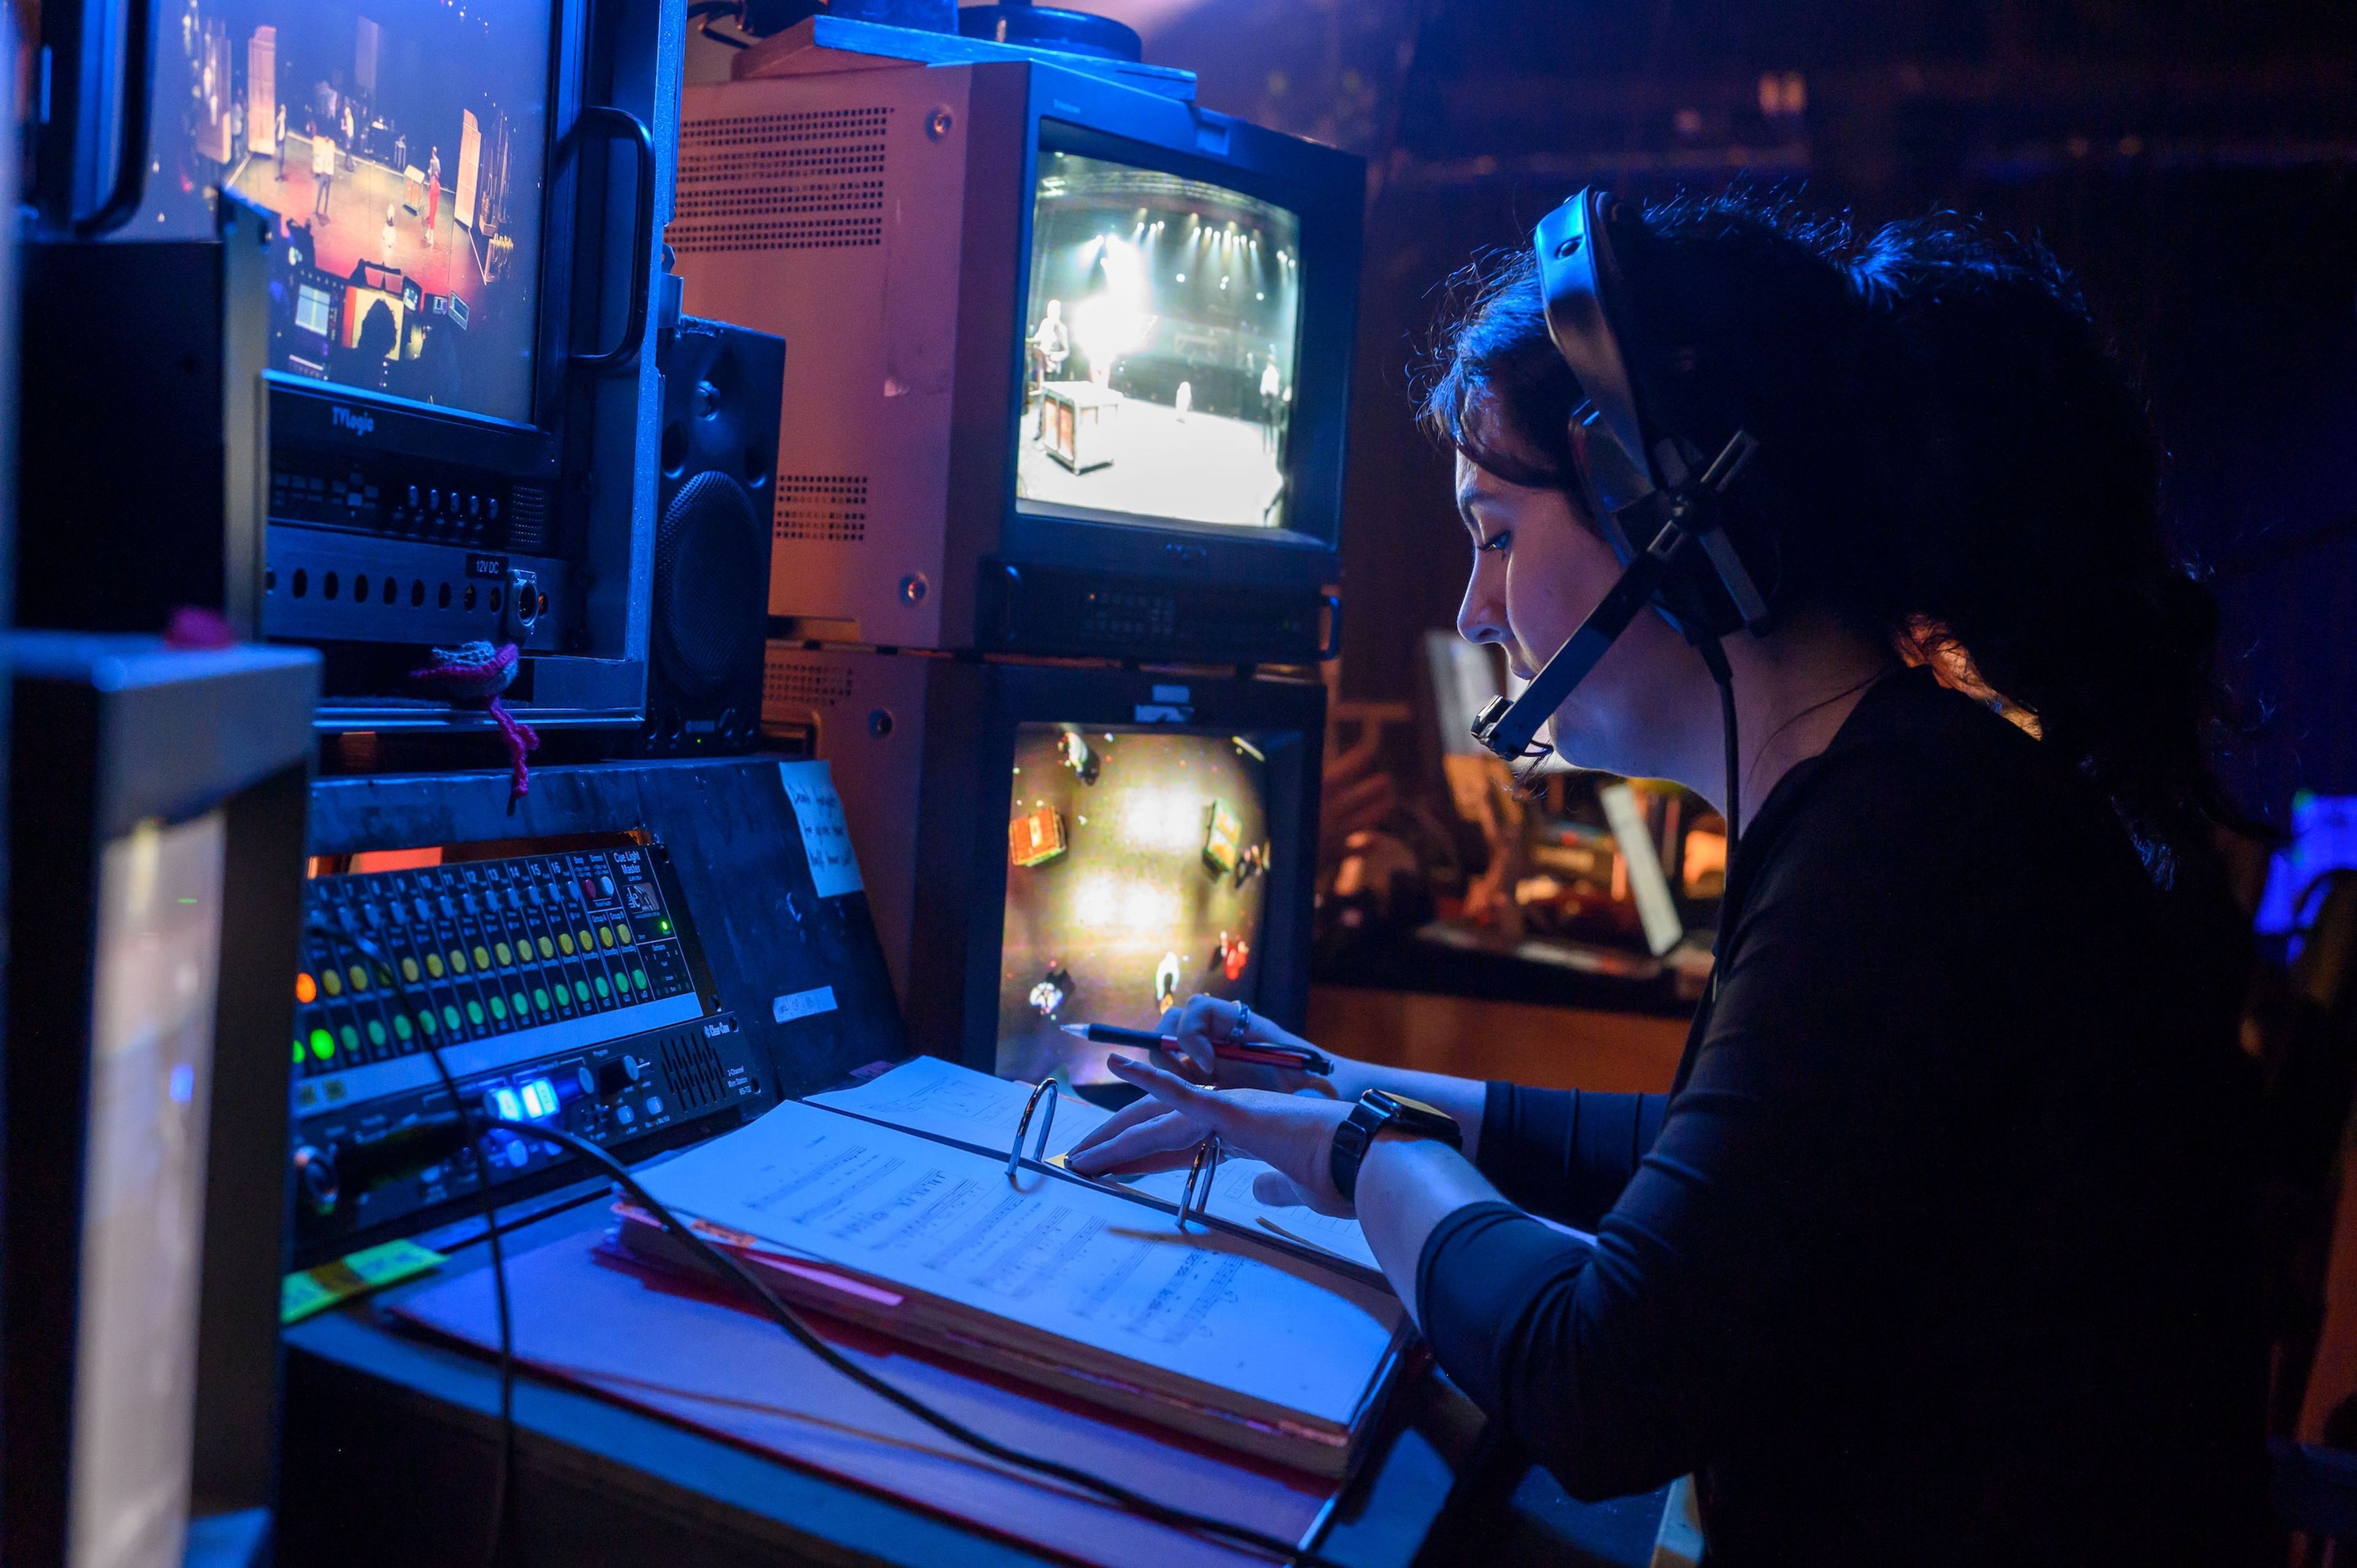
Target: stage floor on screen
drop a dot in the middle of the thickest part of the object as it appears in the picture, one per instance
(1201, 468)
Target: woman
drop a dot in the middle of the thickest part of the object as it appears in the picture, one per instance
(1937, 1252)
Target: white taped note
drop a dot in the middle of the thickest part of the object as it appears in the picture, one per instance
(803, 1004)
(826, 837)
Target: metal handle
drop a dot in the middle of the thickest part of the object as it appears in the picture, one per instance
(1010, 590)
(624, 354)
(130, 152)
(1332, 648)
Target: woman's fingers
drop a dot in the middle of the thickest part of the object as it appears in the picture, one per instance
(1165, 1133)
(1121, 1121)
(1207, 1106)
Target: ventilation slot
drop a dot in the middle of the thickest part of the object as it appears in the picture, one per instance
(528, 519)
(804, 682)
(693, 1071)
(821, 509)
(803, 181)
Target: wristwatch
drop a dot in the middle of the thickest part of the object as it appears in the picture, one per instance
(1378, 1109)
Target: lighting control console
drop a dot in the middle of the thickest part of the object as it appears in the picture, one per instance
(562, 982)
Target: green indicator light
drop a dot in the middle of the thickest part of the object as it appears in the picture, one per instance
(426, 1021)
(400, 1025)
(522, 1007)
(581, 990)
(474, 1012)
(349, 1036)
(323, 1044)
(376, 1032)
(450, 1017)
(664, 926)
(603, 989)
(639, 978)
(499, 1008)
(298, 1052)
(540, 997)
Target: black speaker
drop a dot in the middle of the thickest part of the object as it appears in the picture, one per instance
(722, 386)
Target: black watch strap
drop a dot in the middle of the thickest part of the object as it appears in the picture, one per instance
(1376, 1110)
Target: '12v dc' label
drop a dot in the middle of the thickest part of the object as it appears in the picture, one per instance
(494, 567)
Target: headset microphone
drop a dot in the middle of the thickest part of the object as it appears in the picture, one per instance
(1664, 521)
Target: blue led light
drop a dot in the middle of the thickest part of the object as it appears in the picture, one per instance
(540, 1098)
(508, 1107)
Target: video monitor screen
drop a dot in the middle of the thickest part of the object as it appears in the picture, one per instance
(400, 144)
(1159, 348)
(151, 1070)
(1137, 877)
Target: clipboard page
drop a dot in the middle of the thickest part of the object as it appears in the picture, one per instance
(1062, 1259)
(942, 1100)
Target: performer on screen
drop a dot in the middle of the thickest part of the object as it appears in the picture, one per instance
(392, 234)
(323, 169)
(1051, 344)
(1271, 401)
(278, 139)
(433, 194)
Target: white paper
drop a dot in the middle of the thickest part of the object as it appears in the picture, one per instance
(942, 1100)
(1064, 1259)
(826, 838)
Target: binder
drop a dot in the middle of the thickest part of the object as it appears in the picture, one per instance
(1006, 1261)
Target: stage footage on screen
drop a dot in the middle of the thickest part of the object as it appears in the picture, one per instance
(1136, 871)
(400, 144)
(1159, 349)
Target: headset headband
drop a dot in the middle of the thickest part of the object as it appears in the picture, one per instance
(1626, 477)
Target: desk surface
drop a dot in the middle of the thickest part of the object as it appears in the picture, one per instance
(390, 1443)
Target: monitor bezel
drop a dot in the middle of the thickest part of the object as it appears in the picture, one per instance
(305, 404)
(974, 712)
(1325, 189)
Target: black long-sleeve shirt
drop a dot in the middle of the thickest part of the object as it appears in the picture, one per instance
(1937, 1252)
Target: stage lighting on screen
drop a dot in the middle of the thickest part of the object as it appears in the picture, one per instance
(1160, 346)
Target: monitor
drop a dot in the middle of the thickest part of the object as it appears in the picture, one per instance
(1043, 844)
(1069, 356)
(1161, 341)
(155, 846)
(400, 144)
(1137, 877)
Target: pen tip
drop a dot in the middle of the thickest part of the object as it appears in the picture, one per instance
(1079, 1029)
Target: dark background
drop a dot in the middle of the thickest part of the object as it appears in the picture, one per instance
(2194, 162)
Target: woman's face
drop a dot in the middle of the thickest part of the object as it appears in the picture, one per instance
(1539, 567)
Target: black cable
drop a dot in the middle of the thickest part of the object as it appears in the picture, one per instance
(1715, 658)
(503, 1471)
(787, 1318)
(704, 11)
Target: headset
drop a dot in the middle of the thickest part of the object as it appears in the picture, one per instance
(1658, 496)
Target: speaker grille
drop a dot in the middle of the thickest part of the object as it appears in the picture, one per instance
(528, 519)
(821, 509)
(803, 683)
(812, 180)
(710, 594)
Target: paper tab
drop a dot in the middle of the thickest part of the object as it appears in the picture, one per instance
(826, 837)
(313, 1291)
(803, 1004)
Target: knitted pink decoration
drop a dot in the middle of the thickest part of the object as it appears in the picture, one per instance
(478, 673)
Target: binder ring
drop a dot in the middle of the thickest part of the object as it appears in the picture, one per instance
(1206, 1165)
(1046, 1086)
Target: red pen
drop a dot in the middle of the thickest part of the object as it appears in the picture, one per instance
(1300, 1058)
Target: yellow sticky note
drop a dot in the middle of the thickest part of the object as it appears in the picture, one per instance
(315, 1290)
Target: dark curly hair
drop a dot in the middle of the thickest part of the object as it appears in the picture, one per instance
(1951, 459)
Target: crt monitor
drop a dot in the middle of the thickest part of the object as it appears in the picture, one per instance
(1043, 844)
(1137, 863)
(1070, 358)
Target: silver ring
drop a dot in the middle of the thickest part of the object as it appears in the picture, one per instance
(1240, 1032)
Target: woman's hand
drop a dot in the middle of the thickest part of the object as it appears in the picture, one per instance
(1205, 1021)
(1293, 1132)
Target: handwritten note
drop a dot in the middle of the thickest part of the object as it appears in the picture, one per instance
(826, 838)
